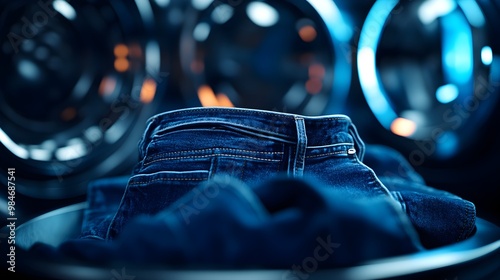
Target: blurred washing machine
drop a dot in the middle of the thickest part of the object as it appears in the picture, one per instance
(77, 83)
(283, 56)
(427, 84)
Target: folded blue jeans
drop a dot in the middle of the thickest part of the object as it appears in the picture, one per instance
(296, 224)
(182, 148)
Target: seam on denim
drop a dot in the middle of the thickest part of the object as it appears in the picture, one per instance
(300, 153)
(253, 111)
(146, 137)
(331, 145)
(406, 223)
(168, 179)
(91, 236)
(111, 225)
(234, 125)
(381, 187)
(213, 155)
(398, 197)
(257, 132)
(238, 127)
(151, 159)
(214, 164)
(327, 154)
(357, 141)
(169, 172)
(212, 149)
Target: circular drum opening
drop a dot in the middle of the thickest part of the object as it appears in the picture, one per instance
(288, 56)
(76, 86)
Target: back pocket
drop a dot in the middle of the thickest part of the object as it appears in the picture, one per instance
(195, 147)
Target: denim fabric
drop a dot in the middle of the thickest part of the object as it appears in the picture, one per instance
(298, 224)
(182, 148)
(440, 218)
(103, 199)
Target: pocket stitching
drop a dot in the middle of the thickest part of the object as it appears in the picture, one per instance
(223, 149)
(146, 178)
(169, 179)
(208, 156)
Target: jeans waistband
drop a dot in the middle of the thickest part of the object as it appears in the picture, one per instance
(319, 130)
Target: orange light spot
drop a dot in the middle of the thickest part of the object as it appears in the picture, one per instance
(224, 100)
(317, 71)
(148, 91)
(307, 33)
(121, 50)
(121, 64)
(207, 96)
(68, 114)
(403, 127)
(107, 86)
(314, 85)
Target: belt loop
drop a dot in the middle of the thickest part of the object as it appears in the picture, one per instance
(359, 145)
(146, 137)
(300, 153)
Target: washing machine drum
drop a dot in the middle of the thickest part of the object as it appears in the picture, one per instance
(75, 90)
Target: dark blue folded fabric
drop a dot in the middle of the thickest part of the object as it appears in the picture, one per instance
(440, 218)
(282, 223)
(180, 149)
(103, 198)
